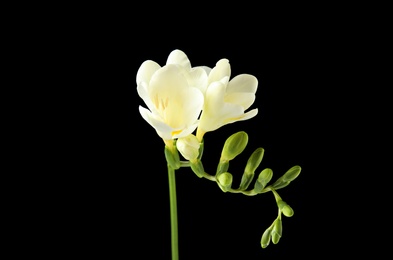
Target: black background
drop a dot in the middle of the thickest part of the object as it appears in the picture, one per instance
(105, 193)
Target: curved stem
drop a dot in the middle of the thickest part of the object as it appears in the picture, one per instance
(173, 213)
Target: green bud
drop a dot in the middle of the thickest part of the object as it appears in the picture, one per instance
(287, 211)
(172, 157)
(197, 168)
(285, 208)
(292, 173)
(234, 146)
(263, 179)
(280, 183)
(265, 240)
(277, 230)
(252, 164)
(222, 167)
(289, 176)
(225, 181)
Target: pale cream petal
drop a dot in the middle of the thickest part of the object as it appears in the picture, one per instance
(214, 98)
(142, 89)
(167, 82)
(186, 131)
(250, 114)
(222, 69)
(243, 83)
(180, 58)
(243, 99)
(162, 129)
(205, 68)
(146, 71)
(198, 78)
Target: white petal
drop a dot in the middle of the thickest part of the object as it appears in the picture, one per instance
(243, 83)
(198, 78)
(142, 89)
(178, 104)
(146, 70)
(205, 68)
(246, 116)
(214, 99)
(242, 99)
(162, 129)
(180, 58)
(186, 131)
(222, 69)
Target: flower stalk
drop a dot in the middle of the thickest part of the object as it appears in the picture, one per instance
(173, 213)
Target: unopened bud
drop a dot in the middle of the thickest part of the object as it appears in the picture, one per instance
(292, 173)
(277, 231)
(285, 208)
(234, 146)
(265, 240)
(197, 168)
(225, 181)
(188, 147)
(252, 164)
(263, 179)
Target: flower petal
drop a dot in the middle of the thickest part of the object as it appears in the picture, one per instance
(243, 83)
(221, 70)
(242, 99)
(146, 71)
(180, 58)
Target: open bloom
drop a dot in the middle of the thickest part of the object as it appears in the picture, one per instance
(173, 95)
(226, 101)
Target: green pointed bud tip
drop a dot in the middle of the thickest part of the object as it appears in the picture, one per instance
(292, 173)
(234, 145)
(254, 161)
(265, 240)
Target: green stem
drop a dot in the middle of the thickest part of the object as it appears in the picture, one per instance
(173, 212)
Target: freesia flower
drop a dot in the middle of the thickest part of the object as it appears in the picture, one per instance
(226, 101)
(173, 95)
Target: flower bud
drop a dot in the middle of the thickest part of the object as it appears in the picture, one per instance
(197, 168)
(292, 173)
(188, 147)
(225, 181)
(265, 240)
(263, 178)
(285, 208)
(222, 167)
(234, 145)
(254, 160)
(277, 230)
(252, 164)
(280, 183)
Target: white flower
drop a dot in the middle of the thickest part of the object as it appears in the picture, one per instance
(173, 95)
(226, 101)
(188, 147)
